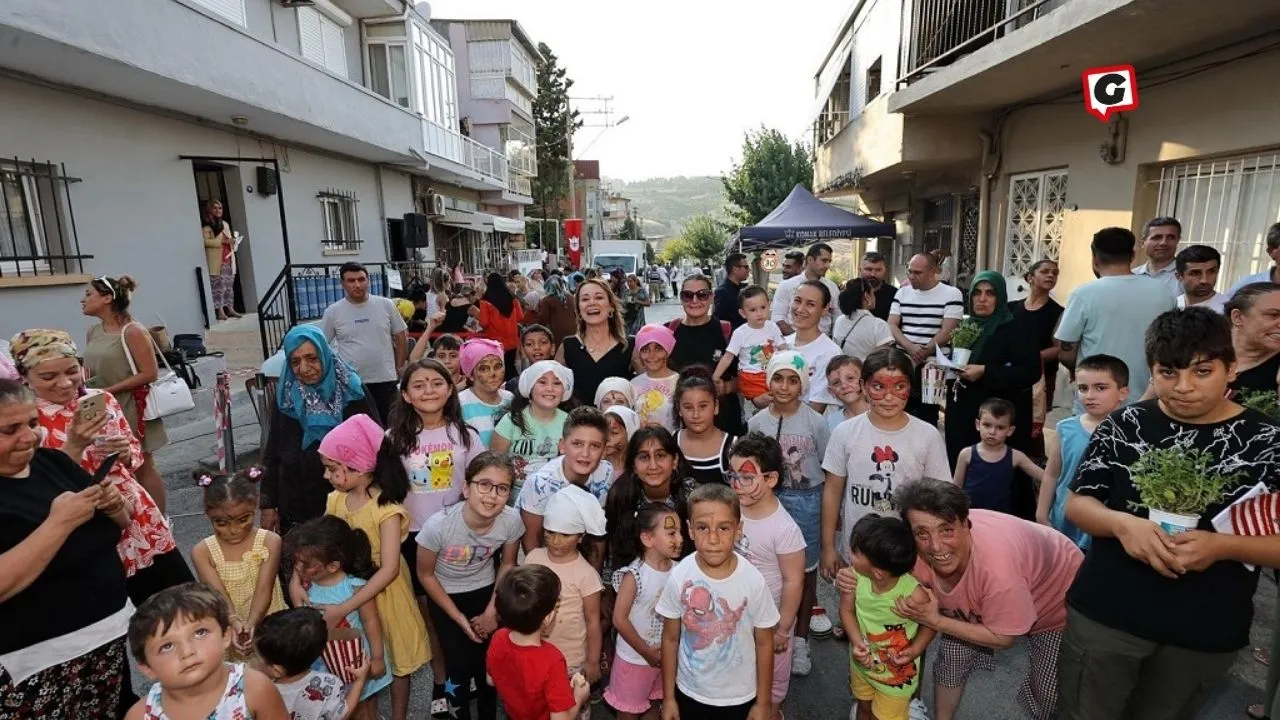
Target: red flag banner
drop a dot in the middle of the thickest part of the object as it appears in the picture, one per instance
(573, 240)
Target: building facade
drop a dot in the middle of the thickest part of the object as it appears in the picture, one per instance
(319, 125)
(968, 129)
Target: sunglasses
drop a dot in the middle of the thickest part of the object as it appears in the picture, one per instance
(691, 295)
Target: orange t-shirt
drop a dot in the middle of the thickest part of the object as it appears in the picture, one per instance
(497, 326)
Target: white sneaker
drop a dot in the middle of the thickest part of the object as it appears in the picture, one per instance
(918, 711)
(801, 664)
(853, 711)
(819, 623)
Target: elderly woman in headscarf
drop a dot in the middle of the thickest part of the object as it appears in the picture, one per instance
(316, 392)
(49, 362)
(556, 310)
(1004, 363)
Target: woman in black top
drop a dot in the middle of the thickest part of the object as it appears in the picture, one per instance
(1041, 312)
(63, 602)
(1254, 313)
(601, 348)
(701, 340)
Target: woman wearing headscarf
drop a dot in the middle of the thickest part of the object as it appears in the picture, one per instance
(1004, 363)
(556, 310)
(316, 392)
(500, 316)
(49, 363)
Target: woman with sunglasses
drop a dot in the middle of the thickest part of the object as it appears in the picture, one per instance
(601, 347)
(115, 340)
(701, 340)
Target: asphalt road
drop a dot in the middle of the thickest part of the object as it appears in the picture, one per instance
(824, 694)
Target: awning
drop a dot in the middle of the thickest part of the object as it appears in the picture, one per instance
(508, 225)
(480, 222)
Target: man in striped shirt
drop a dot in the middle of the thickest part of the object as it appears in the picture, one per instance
(924, 314)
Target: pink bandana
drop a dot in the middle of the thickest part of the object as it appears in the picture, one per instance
(475, 350)
(354, 443)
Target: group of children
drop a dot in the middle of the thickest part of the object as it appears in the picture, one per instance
(418, 549)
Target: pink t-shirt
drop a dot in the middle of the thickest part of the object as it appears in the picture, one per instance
(437, 469)
(1017, 579)
(577, 581)
(767, 538)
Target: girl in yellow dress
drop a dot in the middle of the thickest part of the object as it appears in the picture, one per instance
(369, 486)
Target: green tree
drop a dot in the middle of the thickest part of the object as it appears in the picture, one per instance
(675, 250)
(630, 230)
(703, 239)
(555, 123)
(771, 166)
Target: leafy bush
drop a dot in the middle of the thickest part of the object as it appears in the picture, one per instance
(1178, 480)
(1264, 401)
(966, 334)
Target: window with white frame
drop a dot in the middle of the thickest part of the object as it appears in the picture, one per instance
(1037, 215)
(321, 40)
(232, 10)
(389, 71)
(37, 233)
(341, 224)
(1227, 204)
(437, 97)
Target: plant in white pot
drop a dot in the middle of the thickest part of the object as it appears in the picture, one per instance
(962, 341)
(1176, 484)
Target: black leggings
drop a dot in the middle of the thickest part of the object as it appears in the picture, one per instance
(464, 659)
(690, 708)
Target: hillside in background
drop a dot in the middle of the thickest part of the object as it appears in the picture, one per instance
(665, 204)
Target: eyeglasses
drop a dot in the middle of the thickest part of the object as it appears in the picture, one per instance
(485, 487)
(691, 295)
(739, 480)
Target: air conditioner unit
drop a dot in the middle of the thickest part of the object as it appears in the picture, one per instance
(435, 205)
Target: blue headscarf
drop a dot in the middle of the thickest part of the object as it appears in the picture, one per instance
(318, 408)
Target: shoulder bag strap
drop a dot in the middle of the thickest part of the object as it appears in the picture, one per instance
(846, 335)
(124, 342)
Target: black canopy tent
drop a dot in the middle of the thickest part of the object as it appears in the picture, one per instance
(802, 219)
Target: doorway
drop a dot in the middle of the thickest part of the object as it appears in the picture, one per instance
(211, 184)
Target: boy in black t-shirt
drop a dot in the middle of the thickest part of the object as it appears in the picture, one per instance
(1154, 620)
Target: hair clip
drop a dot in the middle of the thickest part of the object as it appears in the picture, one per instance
(204, 480)
(254, 472)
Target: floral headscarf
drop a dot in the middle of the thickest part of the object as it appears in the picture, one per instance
(319, 407)
(32, 347)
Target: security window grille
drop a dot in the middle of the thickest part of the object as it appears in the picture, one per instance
(1037, 214)
(37, 228)
(1227, 204)
(341, 226)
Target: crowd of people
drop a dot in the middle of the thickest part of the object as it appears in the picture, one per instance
(542, 496)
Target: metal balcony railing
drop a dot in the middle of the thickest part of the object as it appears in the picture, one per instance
(943, 31)
(450, 144)
(521, 185)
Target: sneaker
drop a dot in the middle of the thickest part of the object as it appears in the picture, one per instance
(801, 664)
(819, 623)
(917, 710)
(853, 711)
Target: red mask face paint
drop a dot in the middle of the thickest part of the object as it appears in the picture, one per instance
(888, 382)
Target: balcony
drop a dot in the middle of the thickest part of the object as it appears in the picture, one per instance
(142, 51)
(979, 55)
(504, 58)
(499, 87)
(467, 162)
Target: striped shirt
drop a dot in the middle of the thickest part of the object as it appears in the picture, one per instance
(922, 311)
(480, 415)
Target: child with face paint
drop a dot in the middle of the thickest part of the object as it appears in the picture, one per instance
(655, 384)
(532, 427)
(875, 453)
(483, 364)
(771, 541)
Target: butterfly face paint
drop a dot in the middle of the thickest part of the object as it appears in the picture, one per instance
(888, 391)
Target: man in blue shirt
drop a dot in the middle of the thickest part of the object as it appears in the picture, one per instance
(1268, 275)
(736, 272)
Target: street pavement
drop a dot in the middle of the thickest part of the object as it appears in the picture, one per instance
(824, 694)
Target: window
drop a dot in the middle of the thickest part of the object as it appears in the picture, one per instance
(37, 234)
(873, 81)
(322, 41)
(1226, 204)
(389, 72)
(437, 98)
(1037, 210)
(341, 228)
(232, 10)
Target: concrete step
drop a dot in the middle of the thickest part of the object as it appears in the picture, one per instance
(238, 339)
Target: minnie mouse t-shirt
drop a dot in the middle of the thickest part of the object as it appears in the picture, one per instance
(876, 462)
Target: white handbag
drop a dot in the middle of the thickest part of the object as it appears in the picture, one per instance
(168, 394)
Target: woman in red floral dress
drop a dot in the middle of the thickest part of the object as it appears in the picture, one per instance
(47, 360)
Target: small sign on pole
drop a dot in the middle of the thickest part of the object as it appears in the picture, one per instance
(769, 260)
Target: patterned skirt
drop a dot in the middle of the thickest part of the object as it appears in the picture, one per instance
(223, 286)
(83, 688)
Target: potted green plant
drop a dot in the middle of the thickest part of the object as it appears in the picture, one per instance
(1264, 401)
(962, 340)
(1176, 484)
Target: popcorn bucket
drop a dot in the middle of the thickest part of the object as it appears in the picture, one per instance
(343, 653)
(933, 384)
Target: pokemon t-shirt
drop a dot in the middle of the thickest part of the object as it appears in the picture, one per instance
(876, 462)
(718, 620)
(436, 469)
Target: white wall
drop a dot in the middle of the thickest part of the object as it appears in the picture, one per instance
(875, 35)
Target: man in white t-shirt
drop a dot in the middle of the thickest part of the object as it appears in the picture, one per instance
(1197, 270)
(1160, 238)
(816, 263)
(369, 333)
(922, 318)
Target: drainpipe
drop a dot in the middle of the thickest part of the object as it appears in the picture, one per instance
(984, 200)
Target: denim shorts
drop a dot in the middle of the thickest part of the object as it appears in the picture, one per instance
(805, 507)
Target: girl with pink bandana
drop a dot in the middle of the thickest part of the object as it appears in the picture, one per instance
(655, 385)
(370, 486)
(484, 364)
